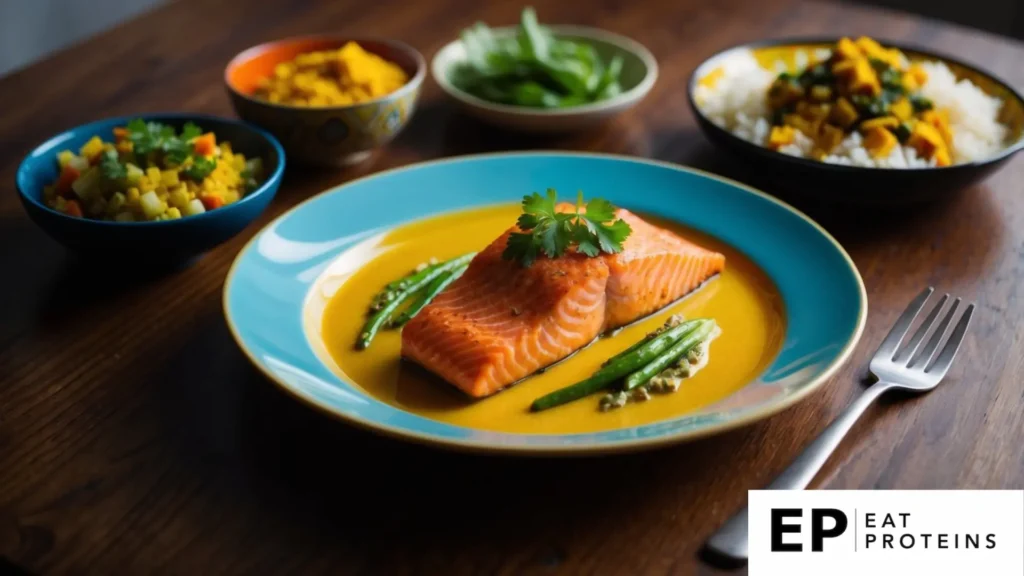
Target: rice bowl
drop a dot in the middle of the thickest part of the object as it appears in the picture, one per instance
(732, 92)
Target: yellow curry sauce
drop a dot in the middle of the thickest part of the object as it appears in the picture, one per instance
(742, 300)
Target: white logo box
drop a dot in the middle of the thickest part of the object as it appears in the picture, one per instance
(897, 532)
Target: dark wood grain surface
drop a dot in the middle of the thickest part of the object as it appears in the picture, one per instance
(136, 439)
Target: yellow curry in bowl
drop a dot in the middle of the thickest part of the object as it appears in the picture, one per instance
(331, 77)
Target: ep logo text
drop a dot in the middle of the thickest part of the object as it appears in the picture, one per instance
(823, 523)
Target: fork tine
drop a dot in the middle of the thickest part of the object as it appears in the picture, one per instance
(915, 340)
(922, 357)
(941, 364)
(899, 330)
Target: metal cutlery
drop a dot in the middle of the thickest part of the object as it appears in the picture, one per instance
(910, 368)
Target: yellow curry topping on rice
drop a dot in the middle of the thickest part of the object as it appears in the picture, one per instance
(348, 75)
(862, 87)
(151, 172)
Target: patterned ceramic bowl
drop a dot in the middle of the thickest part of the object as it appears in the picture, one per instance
(327, 136)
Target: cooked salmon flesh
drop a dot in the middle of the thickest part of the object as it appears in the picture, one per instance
(501, 322)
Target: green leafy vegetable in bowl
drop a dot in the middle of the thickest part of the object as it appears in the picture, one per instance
(534, 68)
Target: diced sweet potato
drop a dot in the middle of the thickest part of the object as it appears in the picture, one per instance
(940, 120)
(816, 112)
(926, 139)
(843, 113)
(864, 79)
(783, 93)
(879, 142)
(781, 136)
(829, 137)
(821, 93)
(808, 127)
(847, 50)
(870, 48)
(844, 68)
(919, 74)
(902, 109)
(882, 122)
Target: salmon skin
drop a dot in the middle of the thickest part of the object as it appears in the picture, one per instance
(501, 322)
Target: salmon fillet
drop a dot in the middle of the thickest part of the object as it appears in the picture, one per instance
(654, 269)
(501, 322)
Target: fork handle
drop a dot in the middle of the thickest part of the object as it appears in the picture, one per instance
(730, 540)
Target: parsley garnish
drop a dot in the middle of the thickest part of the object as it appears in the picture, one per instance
(111, 167)
(546, 231)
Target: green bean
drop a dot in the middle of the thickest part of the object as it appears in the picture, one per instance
(670, 356)
(664, 328)
(620, 366)
(380, 316)
(428, 293)
(599, 381)
(396, 286)
(623, 364)
(413, 276)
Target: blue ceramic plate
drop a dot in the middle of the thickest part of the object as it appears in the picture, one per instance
(266, 291)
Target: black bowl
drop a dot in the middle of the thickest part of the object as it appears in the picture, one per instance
(855, 184)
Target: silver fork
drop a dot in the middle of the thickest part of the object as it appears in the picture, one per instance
(910, 368)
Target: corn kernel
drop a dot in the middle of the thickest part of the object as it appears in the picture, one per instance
(64, 157)
(92, 148)
(178, 198)
(169, 178)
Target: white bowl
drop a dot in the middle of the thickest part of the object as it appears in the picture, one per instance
(639, 72)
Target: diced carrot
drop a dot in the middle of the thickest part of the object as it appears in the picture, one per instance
(71, 208)
(211, 202)
(205, 144)
(68, 175)
(120, 134)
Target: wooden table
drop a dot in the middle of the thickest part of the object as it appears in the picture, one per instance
(136, 439)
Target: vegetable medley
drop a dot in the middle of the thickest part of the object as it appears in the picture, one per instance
(151, 172)
(349, 75)
(865, 87)
(534, 68)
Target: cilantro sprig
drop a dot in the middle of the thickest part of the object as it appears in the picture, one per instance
(591, 228)
(111, 167)
(149, 137)
(200, 168)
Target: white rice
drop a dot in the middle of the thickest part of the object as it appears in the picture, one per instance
(737, 102)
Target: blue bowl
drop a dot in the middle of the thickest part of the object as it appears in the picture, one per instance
(171, 241)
